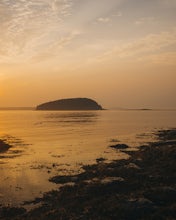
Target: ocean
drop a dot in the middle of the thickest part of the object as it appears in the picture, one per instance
(48, 143)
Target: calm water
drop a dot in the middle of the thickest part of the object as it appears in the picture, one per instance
(50, 143)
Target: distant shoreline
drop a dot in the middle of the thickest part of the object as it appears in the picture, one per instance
(111, 109)
(17, 108)
(106, 109)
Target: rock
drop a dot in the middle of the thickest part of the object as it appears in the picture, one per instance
(133, 166)
(139, 207)
(101, 159)
(108, 180)
(70, 104)
(63, 179)
(119, 146)
(4, 146)
(167, 134)
(162, 195)
(11, 212)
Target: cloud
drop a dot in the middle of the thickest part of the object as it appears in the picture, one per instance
(104, 20)
(108, 19)
(30, 22)
(150, 44)
(118, 14)
(166, 58)
(146, 20)
(51, 51)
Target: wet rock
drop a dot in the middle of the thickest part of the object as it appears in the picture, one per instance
(63, 179)
(162, 195)
(101, 159)
(133, 166)
(108, 180)
(167, 134)
(119, 146)
(4, 146)
(138, 208)
(94, 180)
(10, 212)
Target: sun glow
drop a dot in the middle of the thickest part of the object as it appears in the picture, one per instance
(62, 48)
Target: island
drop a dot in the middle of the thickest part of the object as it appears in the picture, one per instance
(70, 104)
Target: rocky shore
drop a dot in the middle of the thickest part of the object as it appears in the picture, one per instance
(142, 187)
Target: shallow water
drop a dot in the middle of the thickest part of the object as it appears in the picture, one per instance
(46, 143)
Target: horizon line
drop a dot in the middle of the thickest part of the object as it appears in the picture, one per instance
(114, 108)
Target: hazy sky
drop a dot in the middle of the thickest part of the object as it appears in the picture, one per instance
(121, 53)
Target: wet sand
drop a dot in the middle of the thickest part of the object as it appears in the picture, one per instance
(142, 187)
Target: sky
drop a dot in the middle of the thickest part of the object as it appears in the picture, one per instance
(122, 53)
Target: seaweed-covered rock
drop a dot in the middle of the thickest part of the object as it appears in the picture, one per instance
(162, 195)
(11, 212)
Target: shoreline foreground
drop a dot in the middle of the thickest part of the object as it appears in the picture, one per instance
(142, 187)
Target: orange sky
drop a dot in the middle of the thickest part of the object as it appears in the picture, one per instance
(120, 52)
